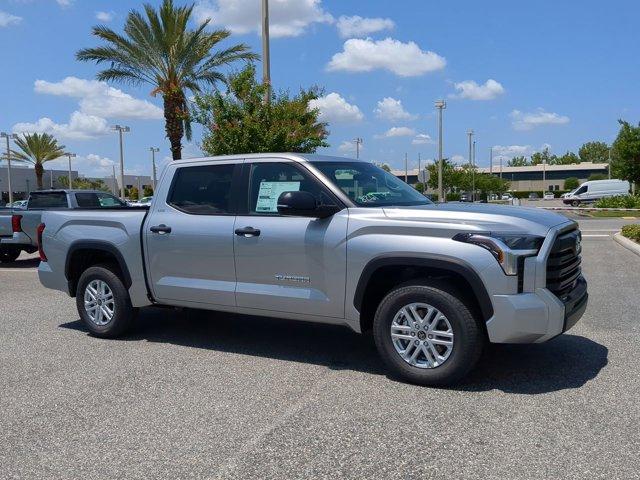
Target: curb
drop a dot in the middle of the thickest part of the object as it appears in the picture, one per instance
(628, 244)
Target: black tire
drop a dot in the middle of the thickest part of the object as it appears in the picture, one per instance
(9, 255)
(123, 312)
(468, 341)
(575, 203)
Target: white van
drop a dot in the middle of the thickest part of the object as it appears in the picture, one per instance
(594, 190)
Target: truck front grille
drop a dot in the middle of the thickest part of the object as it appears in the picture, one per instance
(563, 265)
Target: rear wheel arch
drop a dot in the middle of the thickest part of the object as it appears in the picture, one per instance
(85, 254)
(384, 273)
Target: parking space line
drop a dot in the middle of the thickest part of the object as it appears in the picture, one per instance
(595, 235)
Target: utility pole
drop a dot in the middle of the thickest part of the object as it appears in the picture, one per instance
(115, 185)
(473, 172)
(121, 129)
(491, 160)
(51, 179)
(500, 167)
(266, 59)
(153, 166)
(359, 142)
(406, 169)
(9, 136)
(440, 105)
(419, 167)
(473, 193)
(139, 197)
(609, 168)
(70, 155)
(544, 175)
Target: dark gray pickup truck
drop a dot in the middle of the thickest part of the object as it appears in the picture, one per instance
(18, 225)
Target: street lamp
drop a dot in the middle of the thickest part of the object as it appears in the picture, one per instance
(266, 61)
(9, 136)
(358, 142)
(440, 105)
(121, 129)
(154, 150)
(70, 155)
(470, 135)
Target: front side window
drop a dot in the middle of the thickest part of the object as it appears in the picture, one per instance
(202, 190)
(270, 180)
(369, 186)
(582, 189)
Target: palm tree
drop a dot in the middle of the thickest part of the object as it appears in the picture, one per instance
(37, 148)
(161, 51)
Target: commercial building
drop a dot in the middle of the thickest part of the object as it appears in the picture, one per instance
(23, 180)
(524, 178)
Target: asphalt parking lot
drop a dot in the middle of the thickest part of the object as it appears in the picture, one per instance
(220, 396)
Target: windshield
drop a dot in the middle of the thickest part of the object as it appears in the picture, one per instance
(369, 186)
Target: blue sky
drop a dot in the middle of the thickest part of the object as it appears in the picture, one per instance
(521, 74)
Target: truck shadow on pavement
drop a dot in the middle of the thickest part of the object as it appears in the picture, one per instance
(566, 362)
(21, 264)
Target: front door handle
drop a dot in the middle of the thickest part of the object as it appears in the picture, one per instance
(248, 232)
(161, 229)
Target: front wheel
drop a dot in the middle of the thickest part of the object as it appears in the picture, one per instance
(575, 203)
(427, 336)
(103, 302)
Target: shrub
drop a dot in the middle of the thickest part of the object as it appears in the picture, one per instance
(571, 183)
(620, 201)
(632, 232)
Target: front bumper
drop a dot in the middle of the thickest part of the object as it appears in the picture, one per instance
(536, 316)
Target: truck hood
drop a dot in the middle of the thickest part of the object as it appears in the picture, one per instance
(480, 217)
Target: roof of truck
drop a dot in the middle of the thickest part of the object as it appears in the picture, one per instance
(303, 157)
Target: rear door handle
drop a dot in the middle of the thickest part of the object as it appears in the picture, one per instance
(248, 232)
(161, 229)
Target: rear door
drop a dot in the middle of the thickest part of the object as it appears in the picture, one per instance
(189, 235)
(288, 264)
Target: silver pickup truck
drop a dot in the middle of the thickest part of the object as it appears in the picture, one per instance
(325, 239)
(18, 225)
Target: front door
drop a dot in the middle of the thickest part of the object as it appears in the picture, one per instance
(284, 263)
(189, 237)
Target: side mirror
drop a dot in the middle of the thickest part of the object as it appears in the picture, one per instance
(303, 204)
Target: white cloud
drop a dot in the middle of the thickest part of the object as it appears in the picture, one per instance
(510, 151)
(472, 91)
(357, 26)
(80, 127)
(287, 18)
(99, 99)
(398, 132)
(422, 139)
(349, 146)
(391, 109)
(65, 3)
(105, 17)
(458, 159)
(6, 19)
(403, 59)
(529, 121)
(334, 108)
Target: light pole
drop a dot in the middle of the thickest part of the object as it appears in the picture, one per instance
(609, 167)
(9, 136)
(139, 197)
(70, 155)
(121, 129)
(358, 142)
(473, 172)
(470, 135)
(115, 185)
(153, 166)
(440, 105)
(491, 160)
(406, 169)
(544, 175)
(266, 59)
(419, 167)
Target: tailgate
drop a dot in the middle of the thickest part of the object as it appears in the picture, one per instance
(5, 222)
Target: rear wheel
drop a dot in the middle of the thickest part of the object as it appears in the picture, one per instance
(425, 335)
(103, 302)
(575, 203)
(9, 254)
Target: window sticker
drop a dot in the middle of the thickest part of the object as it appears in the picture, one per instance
(270, 192)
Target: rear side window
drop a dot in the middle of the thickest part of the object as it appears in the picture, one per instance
(48, 200)
(202, 190)
(97, 200)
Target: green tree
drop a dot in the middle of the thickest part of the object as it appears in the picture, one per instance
(419, 187)
(80, 183)
(597, 176)
(37, 148)
(596, 152)
(567, 159)
(491, 184)
(626, 162)
(571, 183)
(162, 51)
(450, 177)
(132, 193)
(385, 167)
(147, 191)
(545, 156)
(518, 162)
(240, 121)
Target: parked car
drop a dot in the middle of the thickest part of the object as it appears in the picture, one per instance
(465, 197)
(594, 190)
(143, 202)
(329, 240)
(18, 204)
(18, 226)
(548, 196)
(507, 196)
(533, 196)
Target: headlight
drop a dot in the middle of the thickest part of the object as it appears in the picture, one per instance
(507, 249)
